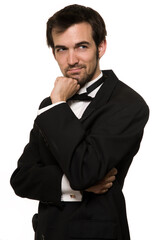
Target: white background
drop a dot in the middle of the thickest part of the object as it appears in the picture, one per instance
(27, 73)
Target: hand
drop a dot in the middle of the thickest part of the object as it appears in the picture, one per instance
(64, 88)
(103, 185)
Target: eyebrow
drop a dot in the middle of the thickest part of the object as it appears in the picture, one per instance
(83, 42)
(76, 45)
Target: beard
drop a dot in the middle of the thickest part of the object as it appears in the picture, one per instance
(83, 77)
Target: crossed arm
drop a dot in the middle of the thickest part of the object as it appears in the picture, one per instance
(39, 177)
(109, 140)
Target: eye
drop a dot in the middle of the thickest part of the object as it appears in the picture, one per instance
(82, 46)
(60, 49)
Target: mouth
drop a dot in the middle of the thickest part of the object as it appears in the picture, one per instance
(74, 70)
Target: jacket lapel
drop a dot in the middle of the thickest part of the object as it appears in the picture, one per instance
(104, 93)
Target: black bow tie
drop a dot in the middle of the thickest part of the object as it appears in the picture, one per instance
(84, 96)
(81, 97)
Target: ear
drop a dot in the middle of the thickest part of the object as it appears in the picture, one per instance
(102, 48)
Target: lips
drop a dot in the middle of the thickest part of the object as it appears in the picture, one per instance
(74, 70)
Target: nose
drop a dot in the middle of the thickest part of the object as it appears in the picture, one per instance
(72, 58)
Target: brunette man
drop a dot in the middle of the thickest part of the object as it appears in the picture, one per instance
(91, 125)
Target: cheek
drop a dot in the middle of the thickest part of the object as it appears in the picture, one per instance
(92, 61)
(61, 62)
(88, 59)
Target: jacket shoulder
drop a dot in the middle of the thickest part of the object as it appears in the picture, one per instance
(125, 95)
(46, 102)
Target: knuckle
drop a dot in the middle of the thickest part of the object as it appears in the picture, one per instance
(75, 81)
(58, 78)
(109, 185)
(112, 178)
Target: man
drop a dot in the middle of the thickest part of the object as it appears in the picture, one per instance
(91, 125)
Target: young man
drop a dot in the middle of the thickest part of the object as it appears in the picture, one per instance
(91, 125)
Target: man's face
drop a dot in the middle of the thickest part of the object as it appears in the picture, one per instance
(76, 53)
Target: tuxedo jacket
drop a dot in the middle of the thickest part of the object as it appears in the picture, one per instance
(107, 135)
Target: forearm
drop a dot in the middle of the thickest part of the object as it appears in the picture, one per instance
(38, 183)
(37, 175)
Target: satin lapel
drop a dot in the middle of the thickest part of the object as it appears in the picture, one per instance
(104, 93)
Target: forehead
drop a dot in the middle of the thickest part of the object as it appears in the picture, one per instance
(74, 34)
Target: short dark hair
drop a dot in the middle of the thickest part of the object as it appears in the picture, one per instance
(74, 14)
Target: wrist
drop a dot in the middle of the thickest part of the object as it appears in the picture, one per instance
(56, 100)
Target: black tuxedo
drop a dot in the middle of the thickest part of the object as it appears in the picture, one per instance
(107, 135)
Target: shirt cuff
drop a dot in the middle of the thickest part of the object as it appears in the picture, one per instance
(48, 107)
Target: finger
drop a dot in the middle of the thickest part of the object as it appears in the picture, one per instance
(78, 86)
(112, 172)
(108, 185)
(74, 80)
(110, 179)
(103, 191)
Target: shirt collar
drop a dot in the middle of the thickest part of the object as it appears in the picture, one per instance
(83, 89)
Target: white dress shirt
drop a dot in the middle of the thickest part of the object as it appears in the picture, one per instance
(78, 107)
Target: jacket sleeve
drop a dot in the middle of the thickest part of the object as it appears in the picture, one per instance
(86, 155)
(34, 178)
